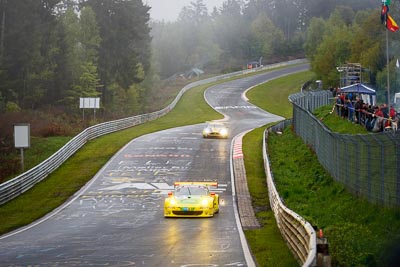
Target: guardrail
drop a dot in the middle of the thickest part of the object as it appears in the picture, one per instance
(298, 233)
(28, 179)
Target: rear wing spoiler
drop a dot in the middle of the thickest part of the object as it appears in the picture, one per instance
(208, 184)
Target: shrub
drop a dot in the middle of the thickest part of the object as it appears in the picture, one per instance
(349, 244)
(12, 107)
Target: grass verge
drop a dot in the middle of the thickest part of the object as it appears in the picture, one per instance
(267, 243)
(359, 233)
(338, 124)
(273, 95)
(80, 168)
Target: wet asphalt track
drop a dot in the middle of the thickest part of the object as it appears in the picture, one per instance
(117, 219)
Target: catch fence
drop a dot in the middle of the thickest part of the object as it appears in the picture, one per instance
(368, 165)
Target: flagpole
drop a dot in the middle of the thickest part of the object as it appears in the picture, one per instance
(395, 77)
(387, 62)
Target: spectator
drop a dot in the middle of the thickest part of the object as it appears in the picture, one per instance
(393, 117)
(358, 107)
(345, 111)
(372, 118)
(392, 113)
(339, 105)
(350, 96)
(333, 91)
(378, 126)
(342, 107)
(386, 122)
(385, 111)
(364, 113)
(350, 110)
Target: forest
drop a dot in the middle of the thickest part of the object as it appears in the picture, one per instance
(54, 52)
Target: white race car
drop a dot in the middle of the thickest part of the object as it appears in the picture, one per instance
(215, 130)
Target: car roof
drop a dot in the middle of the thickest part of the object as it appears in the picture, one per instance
(216, 123)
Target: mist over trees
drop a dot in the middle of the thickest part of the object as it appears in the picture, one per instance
(355, 37)
(52, 52)
(239, 32)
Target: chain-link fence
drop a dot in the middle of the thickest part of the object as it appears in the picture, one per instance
(368, 165)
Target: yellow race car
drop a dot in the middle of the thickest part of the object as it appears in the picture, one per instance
(192, 199)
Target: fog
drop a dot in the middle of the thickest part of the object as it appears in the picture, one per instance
(168, 10)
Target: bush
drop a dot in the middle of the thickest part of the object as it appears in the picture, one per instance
(51, 123)
(349, 245)
(12, 107)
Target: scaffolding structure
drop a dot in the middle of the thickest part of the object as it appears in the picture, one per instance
(350, 73)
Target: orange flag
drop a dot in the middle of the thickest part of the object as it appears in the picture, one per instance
(391, 25)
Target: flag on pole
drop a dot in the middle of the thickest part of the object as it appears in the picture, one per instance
(391, 25)
(384, 13)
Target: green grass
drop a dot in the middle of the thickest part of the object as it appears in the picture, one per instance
(40, 149)
(83, 165)
(338, 124)
(315, 196)
(359, 233)
(266, 243)
(273, 95)
(80, 168)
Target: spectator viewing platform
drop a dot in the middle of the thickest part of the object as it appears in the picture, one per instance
(350, 73)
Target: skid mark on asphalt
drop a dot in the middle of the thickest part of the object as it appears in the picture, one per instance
(149, 188)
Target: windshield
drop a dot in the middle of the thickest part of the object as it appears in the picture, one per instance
(215, 126)
(191, 190)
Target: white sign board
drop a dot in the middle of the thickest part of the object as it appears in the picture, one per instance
(396, 99)
(89, 102)
(22, 135)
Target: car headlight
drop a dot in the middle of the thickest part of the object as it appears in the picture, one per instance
(207, 130)
(172, 202)
(205, 202)
(224, 132)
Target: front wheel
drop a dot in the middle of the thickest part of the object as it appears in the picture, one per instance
(216, 207)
